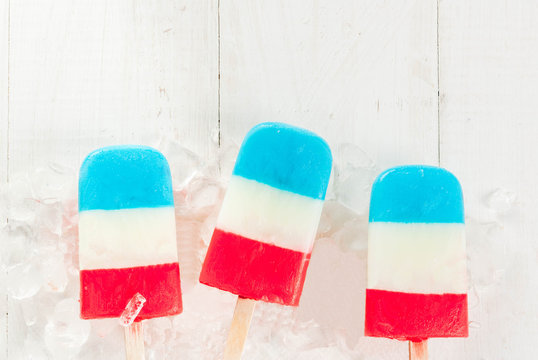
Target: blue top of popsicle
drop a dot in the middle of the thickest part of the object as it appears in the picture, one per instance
(124, 177)
(287, 158)
(416, 194)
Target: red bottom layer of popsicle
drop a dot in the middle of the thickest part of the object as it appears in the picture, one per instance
(254, 269)
(104, 293)
(407, 316)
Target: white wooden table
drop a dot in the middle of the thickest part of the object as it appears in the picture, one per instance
(451, 83)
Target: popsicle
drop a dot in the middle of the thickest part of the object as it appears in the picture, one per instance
(261, 246)
(416, 256)
(127, 236)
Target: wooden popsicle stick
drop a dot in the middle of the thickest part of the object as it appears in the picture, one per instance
(244, 308)
(134, 341)
(418, 350)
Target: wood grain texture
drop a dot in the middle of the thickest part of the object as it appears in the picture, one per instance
(4, 88)
(361, 72)
(489, 132)
(94, 73)
(4, 126)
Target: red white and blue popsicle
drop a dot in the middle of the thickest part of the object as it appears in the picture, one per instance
(263, 239)
(127, 233)
(416, 256)
(261, 246)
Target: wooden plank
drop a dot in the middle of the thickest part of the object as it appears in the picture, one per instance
(4, 86)
(489, 129)
(91, 73)
(363, 75)
(360, 72)
(4, 33)
(4, 126)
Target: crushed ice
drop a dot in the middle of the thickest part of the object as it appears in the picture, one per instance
(501, 201)
(40, 260)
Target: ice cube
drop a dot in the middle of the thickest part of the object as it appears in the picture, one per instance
(184, 164)
(52, 183)
(54, 272)
(157, 331)
(501, 201)
(65, 332)
(17, 238)
(34, 349)
(354, 173)
(24, 280)
(29, 311)
(202, 194)
(49, 216)
(133, 308)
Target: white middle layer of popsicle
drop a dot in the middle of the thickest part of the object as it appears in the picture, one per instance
(263, 213)
(125, 238)
(417, 258)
